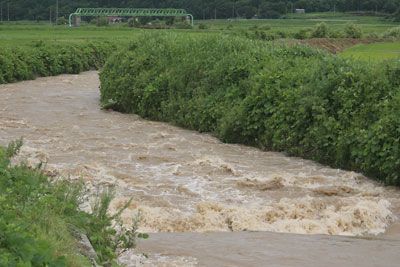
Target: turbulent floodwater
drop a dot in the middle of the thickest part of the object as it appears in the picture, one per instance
(182, 180)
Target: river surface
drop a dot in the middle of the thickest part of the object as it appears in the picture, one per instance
(184, 181)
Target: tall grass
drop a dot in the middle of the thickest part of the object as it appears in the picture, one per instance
(40, 220)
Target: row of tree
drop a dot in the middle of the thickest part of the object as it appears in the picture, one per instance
(201, 9)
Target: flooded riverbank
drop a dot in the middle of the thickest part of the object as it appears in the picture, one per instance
(180, 180)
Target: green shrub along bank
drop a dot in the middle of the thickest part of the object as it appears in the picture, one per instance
(298, 100)
(41, 223)
(26, 63)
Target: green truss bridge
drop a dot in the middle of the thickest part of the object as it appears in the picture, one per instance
(129, 12)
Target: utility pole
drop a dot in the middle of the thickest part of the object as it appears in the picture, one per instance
(50, 16)
(8, 11)
(233, 8)
(1, 11)
(202, 8)
(56, 12)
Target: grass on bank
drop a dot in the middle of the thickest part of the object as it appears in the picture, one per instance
(41, 59)
(40, 220)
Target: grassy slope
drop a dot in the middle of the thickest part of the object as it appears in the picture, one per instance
(41, 220)
(35, 217)
(374, 52)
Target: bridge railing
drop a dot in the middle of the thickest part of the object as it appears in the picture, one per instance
(130, 12)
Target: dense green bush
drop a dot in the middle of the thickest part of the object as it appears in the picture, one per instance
(320, 31)
(182, 25)
(62, 21)
(203, 26)
(335, 34)
(393, 32)
(302, 34)
(297, 100)
(40, 219)
(260, 35)
(18, 64)
(102, 21)
(352, 31)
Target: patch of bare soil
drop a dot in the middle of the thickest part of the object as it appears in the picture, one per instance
(335, 45)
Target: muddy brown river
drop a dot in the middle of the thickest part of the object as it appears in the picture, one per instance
(184, 181)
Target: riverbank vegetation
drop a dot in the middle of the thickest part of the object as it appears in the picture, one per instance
(40, 59)
(305, 102)
(41, 223)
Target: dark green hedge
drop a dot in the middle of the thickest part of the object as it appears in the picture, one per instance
(309, 104)
(25, 63)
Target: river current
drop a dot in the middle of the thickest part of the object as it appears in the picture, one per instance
(181, 180)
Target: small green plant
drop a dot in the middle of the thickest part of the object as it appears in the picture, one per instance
(62, 21)
(373, 35)
(182, 25)
(352, 31)
(107, 233)
(265, 28)
(281, 34)
(203, 26)
(131, 22)
(393, 33)
(170, 21)
(302, 34)
(335, 34)
(320, 30)
(102, 21)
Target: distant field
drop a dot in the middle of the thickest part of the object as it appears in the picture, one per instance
(369, 24)
(26, 33)
(374, 52)
(22, 35)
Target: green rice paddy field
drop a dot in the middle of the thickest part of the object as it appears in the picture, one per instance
(369, 24)
(25, 33)
(374, 52)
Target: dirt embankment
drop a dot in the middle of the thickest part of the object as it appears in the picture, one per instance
(335, 45)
